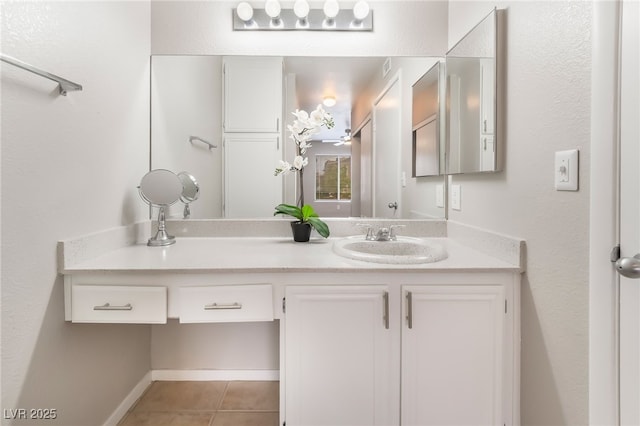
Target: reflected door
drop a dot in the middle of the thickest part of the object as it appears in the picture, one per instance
(366, 170)
(386, 151)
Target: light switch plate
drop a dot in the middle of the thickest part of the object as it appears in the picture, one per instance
(456, 196)
(566, 170)
(440, 195)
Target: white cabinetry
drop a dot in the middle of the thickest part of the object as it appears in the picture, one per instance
(252, 94)
(252, 135)
(487, 114)
(432, 353)
(118, 304)
(338, 356)
(251, 189)
(452, 355)
(230, 303)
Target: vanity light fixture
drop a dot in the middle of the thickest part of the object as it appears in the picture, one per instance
(360, 11)
(301, 10)
(272, 9)
(329, 101)
(331, 9)
(244, 12)
(302, 17)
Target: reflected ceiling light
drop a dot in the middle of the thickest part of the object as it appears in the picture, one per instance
(301, 17)
(329, 101)
(245, 12)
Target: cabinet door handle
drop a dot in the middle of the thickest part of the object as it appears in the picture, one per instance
(385, 315)
(277, 124)
(109, 307)
(409, 310)
(218, 306)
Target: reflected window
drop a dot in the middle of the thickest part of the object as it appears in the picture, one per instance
(333, 177)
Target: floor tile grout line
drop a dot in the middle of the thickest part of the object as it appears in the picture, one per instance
(224, 394)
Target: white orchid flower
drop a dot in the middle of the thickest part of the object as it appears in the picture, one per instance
(317, 116)
(299, 162)
(304, 145)
(301, 115)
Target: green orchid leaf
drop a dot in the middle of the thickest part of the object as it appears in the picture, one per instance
(320, 226)
(307, 212)
(289, 210)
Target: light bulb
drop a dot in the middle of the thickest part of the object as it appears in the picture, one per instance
(272, 8)
(361, 10)
(329, 101)
(331, 8)
(301, 9)
(244, 11)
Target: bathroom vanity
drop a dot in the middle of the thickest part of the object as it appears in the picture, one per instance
(361, 343)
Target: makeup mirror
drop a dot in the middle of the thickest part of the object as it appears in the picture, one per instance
(190, 192)
(160, 188)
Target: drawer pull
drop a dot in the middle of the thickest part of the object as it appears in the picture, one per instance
(216, 306)
(109, 307)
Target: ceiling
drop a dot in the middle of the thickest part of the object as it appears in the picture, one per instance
(341, 77)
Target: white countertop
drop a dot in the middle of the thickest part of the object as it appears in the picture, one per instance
(262, 254)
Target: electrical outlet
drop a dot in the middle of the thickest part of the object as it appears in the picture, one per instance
(440, 196)
(456, 197)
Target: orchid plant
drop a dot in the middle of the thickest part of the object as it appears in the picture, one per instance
(304, 127)
(302, 130)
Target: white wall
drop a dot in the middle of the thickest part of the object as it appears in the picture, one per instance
(186, 100)
(548, 109)
(70, 166)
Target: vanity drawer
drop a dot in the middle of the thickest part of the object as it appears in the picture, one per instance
(119, 304)
(229, 303)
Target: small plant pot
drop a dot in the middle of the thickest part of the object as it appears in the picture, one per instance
(301, 231)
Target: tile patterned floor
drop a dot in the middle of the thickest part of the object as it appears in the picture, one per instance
(206, 404)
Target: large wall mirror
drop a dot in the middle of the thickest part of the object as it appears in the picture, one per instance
(473, 139)
(363, 167)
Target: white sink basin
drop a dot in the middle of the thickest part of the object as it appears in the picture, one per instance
(405, 250)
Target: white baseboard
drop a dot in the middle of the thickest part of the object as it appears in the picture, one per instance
(203, 375)
(129, 400)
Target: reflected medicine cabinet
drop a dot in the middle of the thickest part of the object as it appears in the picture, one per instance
(473, 101)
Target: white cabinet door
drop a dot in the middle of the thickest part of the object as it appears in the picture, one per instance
(252, 94)
(487, 96)
(251, 189)
(452, 340)
(338, 356)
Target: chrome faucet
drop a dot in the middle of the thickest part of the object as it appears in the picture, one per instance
(383, 234)
(369, 228)
(392, 233)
